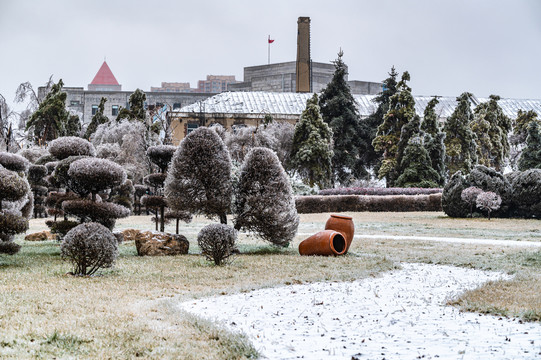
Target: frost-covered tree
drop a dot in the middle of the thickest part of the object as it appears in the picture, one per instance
(416, 167)
(264, 202)
(460, 141)
(136, 107)
(469, 196)
(67, 146)
(521, 123)
(491, 127)
(369, 126)
(433, 140)
(488, 201)
(199, 177)
(14, 191)
(401, 111)
(277, 136)
(312, 146)
(50, 119)
(161, 156)
(339, 110)
(98, 119)
(531, 155)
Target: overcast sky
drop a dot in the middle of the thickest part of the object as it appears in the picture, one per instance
(484, 46)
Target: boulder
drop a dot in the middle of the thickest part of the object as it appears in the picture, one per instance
(153, 243)
(130, 234)
(40, 236)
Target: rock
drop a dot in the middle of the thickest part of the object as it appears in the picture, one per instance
(151, 243)
(130, 234)
(119, 236)
(40, 236)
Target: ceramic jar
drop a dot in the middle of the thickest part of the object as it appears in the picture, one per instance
(344, 225)
(327, 242)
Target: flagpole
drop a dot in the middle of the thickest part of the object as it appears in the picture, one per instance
(268, 45)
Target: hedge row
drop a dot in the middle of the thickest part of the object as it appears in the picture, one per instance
(379, 191)
(342, 203)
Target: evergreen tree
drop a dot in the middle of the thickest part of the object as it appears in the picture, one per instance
(433, 139)
(491, 126)
(136, 107)
(531, 155)
(312, 146)
(460, 141)
(97, 119)
(339, 110)
(73, 126)
(523, 120)
(369, 126)
(418, 171)
(50, 119)
(401, 112)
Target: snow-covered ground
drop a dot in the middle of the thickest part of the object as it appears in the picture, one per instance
(401, 315)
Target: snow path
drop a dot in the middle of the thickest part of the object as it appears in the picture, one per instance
(399, 315)
(495, 242)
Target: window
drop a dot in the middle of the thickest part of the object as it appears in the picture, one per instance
(74, 103)
(191, 127)
(114, 110)
(94, 109)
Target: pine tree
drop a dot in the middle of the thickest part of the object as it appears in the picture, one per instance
(531, 155)
(460, 141)
(418, 171)
(523, 120)
(339, 111)
(97, 119)
(312, 146)
(136, 109)
(491, 126)
(433, 139)
(369, 126)
(401, 112)
(50, 119)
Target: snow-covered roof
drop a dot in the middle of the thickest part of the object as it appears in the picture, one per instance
(278, 103)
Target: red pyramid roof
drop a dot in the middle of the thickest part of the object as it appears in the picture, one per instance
(104, 76)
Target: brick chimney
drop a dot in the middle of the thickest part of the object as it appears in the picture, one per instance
(303, 68)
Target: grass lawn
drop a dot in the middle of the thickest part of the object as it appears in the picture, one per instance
(128, 311)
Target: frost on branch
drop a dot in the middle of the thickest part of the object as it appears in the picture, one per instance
(488, 201)
(199, 177)
(264, 200)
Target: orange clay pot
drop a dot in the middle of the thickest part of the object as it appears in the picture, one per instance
(327, 242)
(343, 224)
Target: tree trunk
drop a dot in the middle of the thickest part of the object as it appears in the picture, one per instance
(223, 218)
(162, 219)
(178, 220)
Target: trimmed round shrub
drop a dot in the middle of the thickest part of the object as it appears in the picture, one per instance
(161, 155)
(123, 194)
(13, 162)
(33, 154)
(43, 160)
(264, 200)
(104, 213)
(155, 180)
(95, 175)
(62, 179)
(153, 201)
(89, 247)
(36, 173)
(12, 186)
(108, 151)
(67, 146)
(217, 242)
(61, 227)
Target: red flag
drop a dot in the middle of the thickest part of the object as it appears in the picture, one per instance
(270, 41)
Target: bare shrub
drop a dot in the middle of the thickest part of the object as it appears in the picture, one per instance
(264, 201)
(89, 247)
(488, 201)
(67, 146)
(469, 196)
(217, 242)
